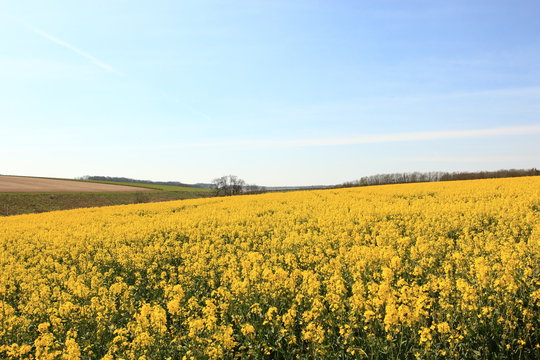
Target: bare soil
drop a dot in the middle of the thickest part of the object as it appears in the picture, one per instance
(31, 184)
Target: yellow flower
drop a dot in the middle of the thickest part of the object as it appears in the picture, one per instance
(437, 266)
(247, 329)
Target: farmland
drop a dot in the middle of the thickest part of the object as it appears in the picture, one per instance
(23, 195)
(33, 184)
(433, 270)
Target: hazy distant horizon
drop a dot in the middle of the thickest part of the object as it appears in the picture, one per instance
(281, 93)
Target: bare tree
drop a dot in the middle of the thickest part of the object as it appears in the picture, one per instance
(219, 185)
(228, 185)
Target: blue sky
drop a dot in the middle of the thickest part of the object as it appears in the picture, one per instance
(276, 92)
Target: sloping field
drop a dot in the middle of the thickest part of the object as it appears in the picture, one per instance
(169, 188)
(25, 195)
(31, 184)
(417, 271)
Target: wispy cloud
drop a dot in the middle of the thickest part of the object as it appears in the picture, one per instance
(473, 159)
(65, 44)
(526, 91)
(322, 142)
(372, 139)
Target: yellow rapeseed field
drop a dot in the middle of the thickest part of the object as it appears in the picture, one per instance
(439, 270)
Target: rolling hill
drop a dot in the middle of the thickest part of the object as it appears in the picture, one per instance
(23, 195)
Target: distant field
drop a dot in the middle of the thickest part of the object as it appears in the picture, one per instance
(34, 184)
(25, 195)
(153, 186)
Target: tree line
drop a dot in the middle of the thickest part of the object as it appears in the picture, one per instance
(134, 181)
(147, 182)
(433, 176)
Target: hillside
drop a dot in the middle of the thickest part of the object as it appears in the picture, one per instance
(125, 180)
(23, 195)
(36, 184)
(445, 270)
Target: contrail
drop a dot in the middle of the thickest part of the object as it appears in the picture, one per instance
(102, 64)
(67, 45)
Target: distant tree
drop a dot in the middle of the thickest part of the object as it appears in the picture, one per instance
(228, 185)
(219, 185)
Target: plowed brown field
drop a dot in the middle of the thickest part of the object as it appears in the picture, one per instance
(31, 184)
